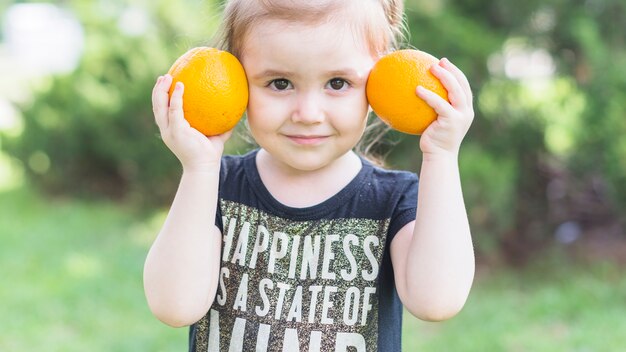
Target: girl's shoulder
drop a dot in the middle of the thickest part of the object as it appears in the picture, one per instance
(391, 178)
(237, 160)
(233, 165)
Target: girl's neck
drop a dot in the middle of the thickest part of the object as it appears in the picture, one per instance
(304, 188)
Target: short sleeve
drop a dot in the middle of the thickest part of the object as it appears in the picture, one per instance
(218, 217)
(406, 207)
(224, 167)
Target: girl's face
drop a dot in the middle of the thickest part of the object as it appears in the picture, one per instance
(307, 104)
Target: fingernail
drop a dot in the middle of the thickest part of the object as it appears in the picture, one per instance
(179, 85)
(444, 61)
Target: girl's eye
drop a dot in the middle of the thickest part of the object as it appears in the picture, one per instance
(280, 84)
(337, 84)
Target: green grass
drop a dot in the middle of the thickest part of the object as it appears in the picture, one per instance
(71, 281)
(552, 306)
(72, 278)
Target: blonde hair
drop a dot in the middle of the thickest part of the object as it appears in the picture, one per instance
(381, 22)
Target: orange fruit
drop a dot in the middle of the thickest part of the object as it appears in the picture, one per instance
(391, 90)
(216, 89)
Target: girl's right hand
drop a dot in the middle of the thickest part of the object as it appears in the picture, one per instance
(195, 151)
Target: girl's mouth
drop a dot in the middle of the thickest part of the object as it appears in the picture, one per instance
(307, 139)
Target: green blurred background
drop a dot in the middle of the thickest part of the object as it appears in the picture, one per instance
(85, 181)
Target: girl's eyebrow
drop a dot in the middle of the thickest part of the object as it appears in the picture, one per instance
(273, 73)
(344, 72)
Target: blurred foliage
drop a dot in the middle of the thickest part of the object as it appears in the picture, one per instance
(542, 151)
(92, 131)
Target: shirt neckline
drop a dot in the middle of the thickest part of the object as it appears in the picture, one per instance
(307, 213)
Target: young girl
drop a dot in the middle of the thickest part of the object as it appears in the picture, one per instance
(303, 245)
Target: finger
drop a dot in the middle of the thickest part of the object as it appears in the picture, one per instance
(439, 104)
(455, 93)
(160, 98)
(223, 137)
(175, 113)
(460, 76)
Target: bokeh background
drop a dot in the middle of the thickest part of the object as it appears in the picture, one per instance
(85, 181)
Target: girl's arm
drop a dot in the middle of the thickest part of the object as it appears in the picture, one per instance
(433, 257)
(182, 267)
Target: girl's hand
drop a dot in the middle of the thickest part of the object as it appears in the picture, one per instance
(195, 151)
(454, 118)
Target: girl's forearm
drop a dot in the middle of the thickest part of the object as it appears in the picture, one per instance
(182, 266)
(440, 266)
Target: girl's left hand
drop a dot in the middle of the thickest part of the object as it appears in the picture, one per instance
(454, 118)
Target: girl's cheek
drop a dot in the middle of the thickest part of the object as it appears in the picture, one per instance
(265, 109)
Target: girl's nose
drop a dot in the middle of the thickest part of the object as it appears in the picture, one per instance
(308, 109)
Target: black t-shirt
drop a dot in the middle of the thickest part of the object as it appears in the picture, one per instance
(307, 279)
